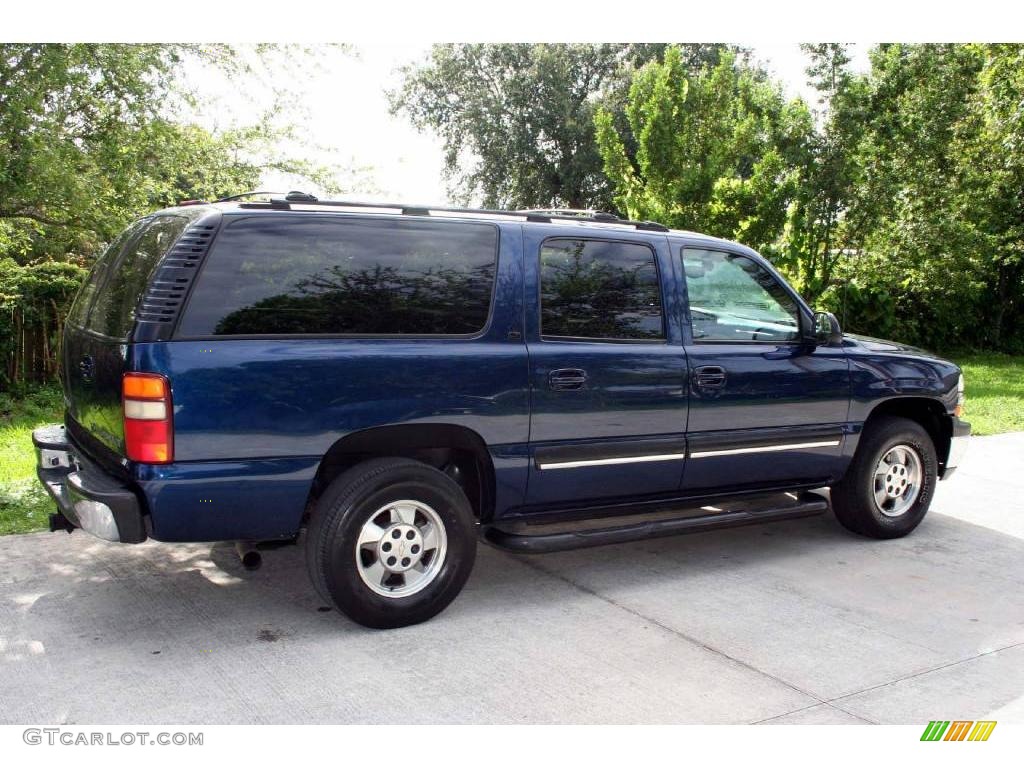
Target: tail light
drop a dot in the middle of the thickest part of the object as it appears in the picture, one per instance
(148, 432)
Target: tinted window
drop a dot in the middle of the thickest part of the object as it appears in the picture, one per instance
(274, 275)
(733, 298)
(80, 309)
(599, 290)
(113, 312)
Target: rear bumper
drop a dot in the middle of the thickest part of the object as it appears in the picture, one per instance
(87, 496)
(957, 446)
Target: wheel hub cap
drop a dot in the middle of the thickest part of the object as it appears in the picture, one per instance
(897, 480)
(401, 548)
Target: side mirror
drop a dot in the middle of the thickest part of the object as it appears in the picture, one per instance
(827, 330)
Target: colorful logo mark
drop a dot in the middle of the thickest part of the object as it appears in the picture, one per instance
(958, 730)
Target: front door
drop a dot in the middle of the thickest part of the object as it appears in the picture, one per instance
(765, 407)
(607, 368)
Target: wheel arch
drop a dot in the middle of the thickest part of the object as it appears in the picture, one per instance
(457, 450)
(929, 412)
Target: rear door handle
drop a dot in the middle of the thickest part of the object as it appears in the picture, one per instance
(567, 378)
(710, 376)
(87, 367)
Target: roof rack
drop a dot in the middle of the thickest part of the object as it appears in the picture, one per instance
(573, 213)
(545, 216)
(230, 198)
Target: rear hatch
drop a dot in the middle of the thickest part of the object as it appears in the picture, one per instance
(99, 327)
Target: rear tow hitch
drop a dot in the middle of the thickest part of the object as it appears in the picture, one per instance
(60, 523)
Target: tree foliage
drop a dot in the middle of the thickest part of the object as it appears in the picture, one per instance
(517, 120)
(89, 140)
(826, 171)
(898, 201)
(715, 149)
(935, 220)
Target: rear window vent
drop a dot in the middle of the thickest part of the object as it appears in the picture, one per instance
(166, 293)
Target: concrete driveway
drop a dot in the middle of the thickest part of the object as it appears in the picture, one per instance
(794, 622)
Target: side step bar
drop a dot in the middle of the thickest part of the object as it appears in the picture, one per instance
(807, 505)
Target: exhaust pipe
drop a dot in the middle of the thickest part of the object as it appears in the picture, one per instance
(249, 555)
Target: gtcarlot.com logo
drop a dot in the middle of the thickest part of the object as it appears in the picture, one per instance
(958, 730)
(71, 738)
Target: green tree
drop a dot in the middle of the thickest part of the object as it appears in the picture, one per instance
(89, 140)
(927, 156)
(715, 149)
(517, 120)
(826, 170)
(897, 201)
(913, 233)
(992, 192)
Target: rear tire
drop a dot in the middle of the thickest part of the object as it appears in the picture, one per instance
(889, 485)
(391, 542)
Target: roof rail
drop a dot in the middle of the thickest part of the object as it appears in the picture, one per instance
(545, 216)
(231, 198)
(575, 213)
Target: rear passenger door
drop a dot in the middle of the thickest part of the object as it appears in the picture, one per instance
(607, 368)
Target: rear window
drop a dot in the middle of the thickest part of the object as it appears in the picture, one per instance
(79, 313)
(113, 312)
(597, 289)
(286, 275)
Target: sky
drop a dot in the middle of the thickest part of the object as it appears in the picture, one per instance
(341, 110)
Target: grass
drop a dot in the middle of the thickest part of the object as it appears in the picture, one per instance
(994, 386)
(995, 403)
(24, 505)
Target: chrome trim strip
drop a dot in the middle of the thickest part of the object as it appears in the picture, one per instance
(693, 455)
(603, 462)
(765, 449)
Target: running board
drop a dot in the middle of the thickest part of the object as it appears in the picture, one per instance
(788, 508)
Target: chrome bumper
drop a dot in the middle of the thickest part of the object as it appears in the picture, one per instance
(87, 497)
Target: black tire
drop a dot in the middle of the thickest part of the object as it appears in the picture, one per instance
(349, 502)
(853, 498)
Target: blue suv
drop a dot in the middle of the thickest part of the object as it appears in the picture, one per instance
(398, 382)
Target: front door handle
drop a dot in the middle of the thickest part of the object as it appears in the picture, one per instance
(567, 378)
(710, 376)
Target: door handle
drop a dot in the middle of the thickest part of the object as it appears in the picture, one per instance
(710, 376)
(87, 367)
(567, 378)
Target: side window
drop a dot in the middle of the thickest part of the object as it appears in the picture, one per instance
(733, 298)
(114, 310)
(79, 313)
(599, 289)
(270, 275)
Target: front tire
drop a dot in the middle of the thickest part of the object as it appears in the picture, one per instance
(889, 485)
(391, 542)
